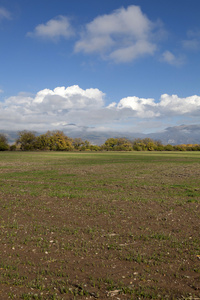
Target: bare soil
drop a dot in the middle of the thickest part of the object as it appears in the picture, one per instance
(120, 227)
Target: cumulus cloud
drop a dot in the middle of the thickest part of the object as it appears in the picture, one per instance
(54, 29)
(49, 107)
(4, 13)
(73, 108)
(168, 105)
(174, 105)
(121, 36)
(143, 108)
(132, 52)
(171, 59)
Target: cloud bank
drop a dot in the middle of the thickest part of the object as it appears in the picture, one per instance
(78, 108)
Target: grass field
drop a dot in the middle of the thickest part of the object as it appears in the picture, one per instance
(100, 225)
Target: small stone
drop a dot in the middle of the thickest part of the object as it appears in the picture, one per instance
(114, 293)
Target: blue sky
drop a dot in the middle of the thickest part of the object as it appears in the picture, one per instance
(129, 66)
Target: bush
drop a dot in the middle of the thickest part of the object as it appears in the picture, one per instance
(3, 143)
(13, 148)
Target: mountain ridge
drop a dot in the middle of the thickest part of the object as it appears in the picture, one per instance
(175, 135)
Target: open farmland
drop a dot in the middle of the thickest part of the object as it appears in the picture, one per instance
(99, 225)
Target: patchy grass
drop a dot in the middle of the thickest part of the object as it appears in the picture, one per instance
(99, 225)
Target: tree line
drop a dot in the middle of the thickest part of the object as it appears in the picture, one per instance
(58, 141)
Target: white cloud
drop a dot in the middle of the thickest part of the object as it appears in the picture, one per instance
(168, 105)
(143, 108)
(72, 97)
(193, 40)
(171, 59)
(1, 91)
(73, 108)
(193, 33)
(54, 29)
(121, 36)
(193, 44)
(49, 107)
(4, 14)
(179, 106)
(132, 52)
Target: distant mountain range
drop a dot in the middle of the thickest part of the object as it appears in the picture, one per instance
(183, 134)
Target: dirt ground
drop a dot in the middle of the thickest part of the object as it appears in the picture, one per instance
(120, 229)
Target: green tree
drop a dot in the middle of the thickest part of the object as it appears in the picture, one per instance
(117, 144)
(139, 145)
(159, 146)
(110, 144)
(58, 141)
(3, 142)
(147, 144)
(13, 147)
(26, 140)
(85, 146)
(195, 147)
(43, 141)
(168, 147)
(180, 147)
(95, 148)
(77, 143)
(151, 146)
(123, 144)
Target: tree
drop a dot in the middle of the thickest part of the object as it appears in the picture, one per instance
(181, 147)
(59, 141)
(26, 140)
(139, 145)
(117, 144)
(13, 147)
(123, 144)
(195, 147)
(147, 144)
(77, 143)
(95, 148)
(43, 141)
(110, 144)
(150, 144)
(3, 142)
(159, 146)
(168, 147)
